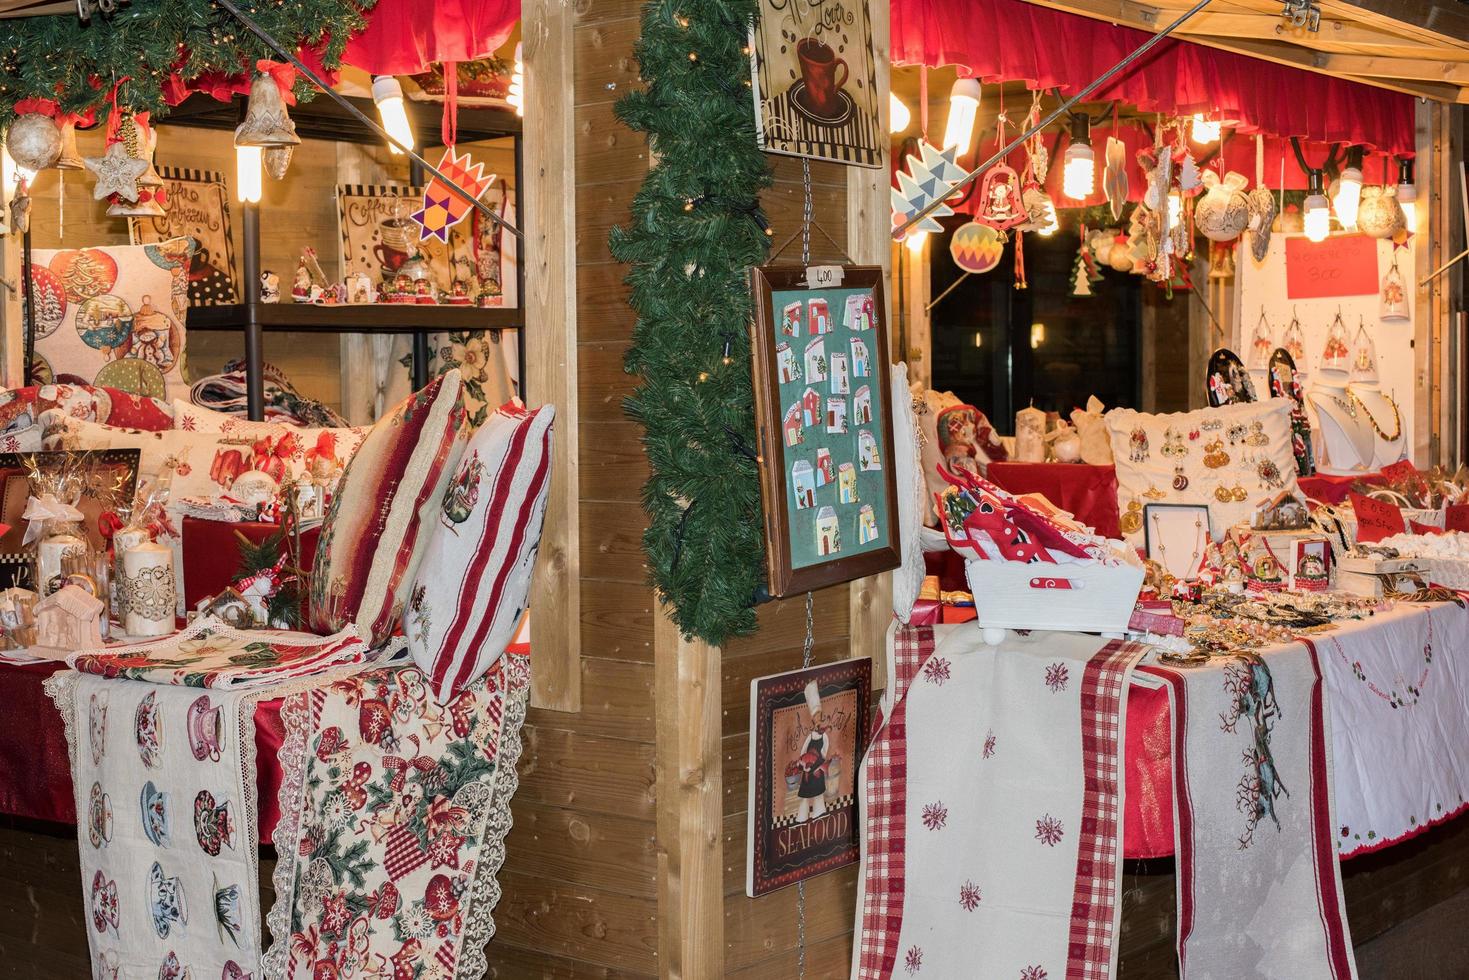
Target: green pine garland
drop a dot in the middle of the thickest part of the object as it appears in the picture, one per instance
(696, 230)
(148, 40)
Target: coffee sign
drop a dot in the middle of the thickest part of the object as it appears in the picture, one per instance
(816, 81)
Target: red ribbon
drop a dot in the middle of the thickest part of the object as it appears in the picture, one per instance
(283, 74)
(46, 107)
(449, 123)
(114, 117)
(108, 524)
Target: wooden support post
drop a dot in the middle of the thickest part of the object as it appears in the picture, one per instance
(548, 252)
(690, 792)
(869, 242)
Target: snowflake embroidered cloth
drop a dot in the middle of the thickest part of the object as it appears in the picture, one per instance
(164, 779)
(209, 653)
(1398, 687)
(1259, 884)
(394, 810)
(992, 798)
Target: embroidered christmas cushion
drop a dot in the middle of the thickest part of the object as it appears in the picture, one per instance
(1231, 458)
(318, 454)
(377, 527)
(471, 588)
(21, 407)
(113, 316)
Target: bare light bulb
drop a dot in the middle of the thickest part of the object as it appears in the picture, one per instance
(516, 96)
(1407, 194)
(1079, 175)
(1206, 130)
(1348, 196)
(1317, 218)
(388, 95)
(247, 173)
(915, 241)
(898, 115)
(963, 108)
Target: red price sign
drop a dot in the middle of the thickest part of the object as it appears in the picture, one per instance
(1345, 265)
(1376, 519)
(1456, 517)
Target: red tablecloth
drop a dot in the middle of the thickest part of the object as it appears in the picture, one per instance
(1090, 492)
(212, 554)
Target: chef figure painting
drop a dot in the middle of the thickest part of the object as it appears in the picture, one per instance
(808, 731)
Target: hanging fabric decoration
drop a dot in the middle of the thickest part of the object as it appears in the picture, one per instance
(1262, 344)
(1223, 213)
(442, 208)
(976, 247)
(1294, 341)
(1394, 307)
(1285, 382)
(1336, 355)
(929, 177)
(1364, 356)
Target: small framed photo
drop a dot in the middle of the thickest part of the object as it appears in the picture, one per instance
(1176, 536)
(825, 421)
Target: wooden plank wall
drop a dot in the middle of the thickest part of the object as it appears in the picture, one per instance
(760, 934)
(581, 876)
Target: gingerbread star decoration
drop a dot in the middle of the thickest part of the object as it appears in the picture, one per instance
(117, 173)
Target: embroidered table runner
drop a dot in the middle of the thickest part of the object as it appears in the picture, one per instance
(165, 791)
(209, 653)
(992, 801)
(394, 811)
(1259, 884)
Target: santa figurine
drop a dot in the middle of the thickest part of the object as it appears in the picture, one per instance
(813, 762)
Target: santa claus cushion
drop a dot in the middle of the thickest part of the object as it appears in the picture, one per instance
(1231, 458)
(470, 592)
(956, 436)
(384, 509)
(21, 407)
(113, 316)
(283, 450)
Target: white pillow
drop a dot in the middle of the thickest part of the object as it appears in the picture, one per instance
(322, 451)
(1230, 458)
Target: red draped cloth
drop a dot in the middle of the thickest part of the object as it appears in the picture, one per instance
(1010, 40)
(404, 36)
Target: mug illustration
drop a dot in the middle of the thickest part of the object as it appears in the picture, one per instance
(213, 825)
(154, 807)
(104, 903)
(99, 817)
(823, 75)
(167, 905)
(206, 729)
(97, 727)
(148, 730)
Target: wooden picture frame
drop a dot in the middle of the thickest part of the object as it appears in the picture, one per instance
(1185, 528)
(828, 486)
(111, 468)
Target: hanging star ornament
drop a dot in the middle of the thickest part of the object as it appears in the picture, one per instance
(117, 173)
(928, 178)
(442, 208)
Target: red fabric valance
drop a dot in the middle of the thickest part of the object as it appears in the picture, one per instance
(1011, 40)
(403, 37)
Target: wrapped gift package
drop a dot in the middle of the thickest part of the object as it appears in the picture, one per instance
(1275, 560)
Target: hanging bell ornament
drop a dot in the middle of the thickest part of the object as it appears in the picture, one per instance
(276, 159)
(139, 148)
(70, 159)
(266, 122)
(34, 141)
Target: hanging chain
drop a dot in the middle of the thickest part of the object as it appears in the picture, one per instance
(806, 211)
(801, 885)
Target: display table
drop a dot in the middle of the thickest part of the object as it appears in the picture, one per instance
(1090, 492)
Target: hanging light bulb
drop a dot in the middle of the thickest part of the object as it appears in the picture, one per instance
(1349, 189)
(963, 108)
(247, 173)
(915, 241)
(1079, 173)
(388, 95)
(516, 96)
(1206, 130)
(1407, 193)
(898, 115)
(1317, 217)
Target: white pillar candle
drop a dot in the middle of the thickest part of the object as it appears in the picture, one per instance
(1030, 435)
(148, 590)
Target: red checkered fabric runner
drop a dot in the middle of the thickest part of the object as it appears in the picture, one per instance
(885, 803)
(1094, 905)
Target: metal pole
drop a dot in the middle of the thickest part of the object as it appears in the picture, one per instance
(1097, 83)
(254, 333)
(316, 80)
(29, 323)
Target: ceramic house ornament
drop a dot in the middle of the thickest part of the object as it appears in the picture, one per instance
(1380, 215)
(69, 619)
(1223, 213)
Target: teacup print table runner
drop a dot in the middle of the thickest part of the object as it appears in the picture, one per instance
(1259, 884)
(992, 795)
(165, 790)
(208, 653)
(394, 810)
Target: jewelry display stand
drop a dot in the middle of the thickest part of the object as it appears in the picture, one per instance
(1385, 421)
(1347, 439)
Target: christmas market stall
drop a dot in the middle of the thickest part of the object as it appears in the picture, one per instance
(733, 488)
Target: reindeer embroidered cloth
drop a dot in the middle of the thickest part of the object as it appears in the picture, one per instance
(1259, 884)
(992, 799)
(164, 778)
(209, 653)
(394, 810)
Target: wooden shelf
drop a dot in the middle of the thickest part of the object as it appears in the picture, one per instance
(321, 118)
(353, 318)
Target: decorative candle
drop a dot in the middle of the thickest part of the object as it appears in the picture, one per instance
(148, 590)
(1030, 435)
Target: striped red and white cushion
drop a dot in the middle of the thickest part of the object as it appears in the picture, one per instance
(378, 526)
(470, 593)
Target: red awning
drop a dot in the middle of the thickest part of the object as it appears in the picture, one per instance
(1010, 40)
(403, 37)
